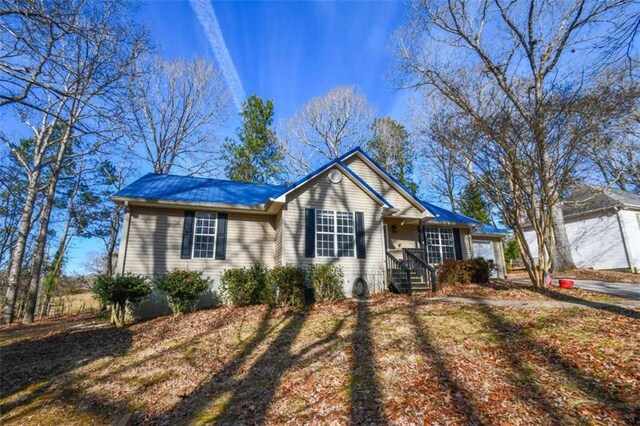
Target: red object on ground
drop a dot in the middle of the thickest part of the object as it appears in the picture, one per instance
(566, 283)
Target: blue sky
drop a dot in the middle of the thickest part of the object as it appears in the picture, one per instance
(291, 51)
(285, 51)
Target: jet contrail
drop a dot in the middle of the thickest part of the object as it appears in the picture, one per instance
(207, 18)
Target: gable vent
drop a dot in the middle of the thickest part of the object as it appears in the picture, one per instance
(335, 176)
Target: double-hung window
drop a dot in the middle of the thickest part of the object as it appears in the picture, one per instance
(440, 244)
(204, 242)
(335, 234)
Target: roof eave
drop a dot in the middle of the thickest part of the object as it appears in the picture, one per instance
(282, 198)
(255, 208)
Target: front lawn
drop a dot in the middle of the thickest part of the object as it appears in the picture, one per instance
(394, 359)
(509, 290)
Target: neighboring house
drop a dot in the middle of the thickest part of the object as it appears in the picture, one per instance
(603, 226)
(350, 213)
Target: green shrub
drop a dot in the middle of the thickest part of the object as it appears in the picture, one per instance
(455, 272)
(285, 286)
(121, 291)
(481, 271)
(183, 289)
(326, 281)
(242, 286)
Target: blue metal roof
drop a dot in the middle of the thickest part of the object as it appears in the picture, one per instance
(155, 186)
(444, 215)
(488, 229)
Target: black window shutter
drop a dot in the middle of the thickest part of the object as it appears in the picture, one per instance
(456, 243)
(361, 251)
(310, 233)
(187, 234)
(221, 237)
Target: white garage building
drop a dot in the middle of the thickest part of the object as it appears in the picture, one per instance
(603, 226)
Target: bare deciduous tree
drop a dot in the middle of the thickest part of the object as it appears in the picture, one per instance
(612, 109)
(77, 101)
(31, 35)
(174, 109)
(441, 170)
(328, 126)
(507, 71)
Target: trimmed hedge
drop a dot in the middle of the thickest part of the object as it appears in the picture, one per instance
(280, 286)
(246, 286)
(183, 288)
(286, 286)
(326, 280)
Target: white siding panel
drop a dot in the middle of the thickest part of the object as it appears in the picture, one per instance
(596, 242)
(631, 222)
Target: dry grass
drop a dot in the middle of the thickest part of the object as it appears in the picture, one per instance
(507, 290)
(586, 274)
(393, 360)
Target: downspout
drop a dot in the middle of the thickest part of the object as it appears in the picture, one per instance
(630, 260)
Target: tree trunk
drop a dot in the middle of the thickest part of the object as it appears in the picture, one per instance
(562, 259)
(17, 254)
(38, 254)
(113, 237)
(41, 240)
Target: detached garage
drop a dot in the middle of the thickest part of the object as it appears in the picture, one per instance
(603, 226)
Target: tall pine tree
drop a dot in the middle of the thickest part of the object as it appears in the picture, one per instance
(473, 204)
(390, 147)
(255, 156)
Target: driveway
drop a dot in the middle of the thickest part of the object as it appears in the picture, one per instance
(629, 291)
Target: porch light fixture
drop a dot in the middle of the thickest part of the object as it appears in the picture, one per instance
(394, 228)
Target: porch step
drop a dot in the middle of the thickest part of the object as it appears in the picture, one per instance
(418, 284)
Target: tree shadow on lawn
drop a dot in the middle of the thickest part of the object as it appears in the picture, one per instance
(463, 399)
(366, 400)
(519, 347)
(248, 398)
(603, 306)
(39, 361)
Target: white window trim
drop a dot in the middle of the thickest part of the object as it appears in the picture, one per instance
(335, 234)
(215, 235)
(440, 245)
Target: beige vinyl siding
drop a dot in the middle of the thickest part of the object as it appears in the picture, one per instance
(155, 239)
(320, 193)
(405, 237)
(378, 183)
(278, 242)
(465, 243)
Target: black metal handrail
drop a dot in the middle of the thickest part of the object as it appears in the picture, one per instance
(417, 260)
(398, 275)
